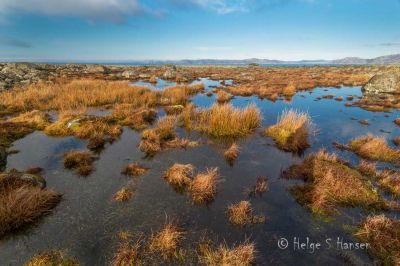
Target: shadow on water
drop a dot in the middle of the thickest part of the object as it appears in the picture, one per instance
(86, 222)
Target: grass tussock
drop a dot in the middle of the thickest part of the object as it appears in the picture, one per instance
(153, 139)
(292, 130)
(232, 153)
(35, 119)
(180, 175)
(128, 252)
(374, 148)
(327, 182)
(22, 202)
(223, 96)
(134, 169)
(222, 120)
(52, 258)
(204, 186)
(289, 90)
(80, 161)
(167, 240)
(241, 255)
(387, 179)
(260, 187)
(123, 194)
(76, 94)
(12, 131)
(240, 213)
(383, 235)
(128, 115)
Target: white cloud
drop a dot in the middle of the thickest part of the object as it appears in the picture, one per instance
(110, 10)
(224, 6)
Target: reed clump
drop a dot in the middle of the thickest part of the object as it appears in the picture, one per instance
(240, 213)
(180, 175)
(231, 154)
(12, 131)
(383, 235)
(138, 119)
(52, 258)
(222, 120)
(23, 202)
(123, 194)
(35, 119)
(327, 182)
(128, 252)
(80, 161)
(240, 255)
(223, 96)
(292, 130)
(260, 187)
(134, 169)
(374, 148)
(204, 186)
(166, 241)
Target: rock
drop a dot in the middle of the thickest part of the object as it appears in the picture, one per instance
(93, 69)
(3, 156)
(128, 74)
(383, 83)
(169, 74)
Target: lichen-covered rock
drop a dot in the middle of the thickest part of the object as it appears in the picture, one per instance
(383, 83)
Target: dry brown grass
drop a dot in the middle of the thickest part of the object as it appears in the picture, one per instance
(222, 120)
(396, 141)
(387, 179)
(12, 131)
(383, 235)
(232, 153)
(327, 182)
(167, 240)
(374, 148)
(289, 90)
(223, 96)
(134, 169)
(128, 115)
(260, 187)
(241, 255)
(128, 253)
(179, 95)
(76, 94)
(292, 130)
(240, 213)
(35, 119)
(204, 186)
(80, 161)
(22, 202)
(123, 194)
(51, 258)
(180, 175)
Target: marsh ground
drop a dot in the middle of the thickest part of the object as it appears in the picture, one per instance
(86, 223)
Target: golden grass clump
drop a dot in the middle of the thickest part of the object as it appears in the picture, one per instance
(128, 253)
(224, 120)
(292, 130)
(76, 94)
(22, 202)
(123, 194)
(383, 236)
(167, 240)
(80, 161)
(128, 115)
(327, 182)
(51, 258)
(374, 148)
(241, 255)
(387, 179)
(223, 96)
(179, 95)
(35, 119)
(240, 213)
(232, 153)
(180, 175)
(289, 90)
(12, 131)
(134, 169)
(204, 186)
(260, 187)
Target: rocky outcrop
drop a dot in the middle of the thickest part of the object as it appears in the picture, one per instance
(384, 83)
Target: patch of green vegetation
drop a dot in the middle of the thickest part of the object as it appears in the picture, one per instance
(52, 258)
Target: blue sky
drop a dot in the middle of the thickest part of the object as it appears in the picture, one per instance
(103, 30)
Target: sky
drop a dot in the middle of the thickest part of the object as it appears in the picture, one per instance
(119, 30)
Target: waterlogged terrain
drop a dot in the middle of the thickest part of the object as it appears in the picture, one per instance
(85, 224)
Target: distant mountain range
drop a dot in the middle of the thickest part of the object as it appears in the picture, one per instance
(388, 59)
